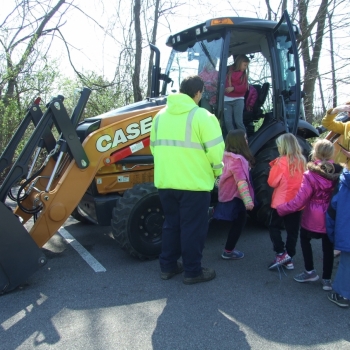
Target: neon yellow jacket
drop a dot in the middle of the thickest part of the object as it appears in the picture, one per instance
(187, 145)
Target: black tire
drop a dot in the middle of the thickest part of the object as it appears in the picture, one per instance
(260, 174)
(77, 216)
(137, 222)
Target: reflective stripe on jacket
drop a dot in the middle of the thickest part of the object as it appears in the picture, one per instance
(187, 145)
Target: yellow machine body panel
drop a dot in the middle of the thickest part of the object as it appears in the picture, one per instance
(115, 133)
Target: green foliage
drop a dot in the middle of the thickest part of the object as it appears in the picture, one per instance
(30, 84)
(104, 97)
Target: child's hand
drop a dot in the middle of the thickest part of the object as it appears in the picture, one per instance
(229, 89)
(249, 206)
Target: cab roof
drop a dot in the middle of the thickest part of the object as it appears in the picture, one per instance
(213, 29)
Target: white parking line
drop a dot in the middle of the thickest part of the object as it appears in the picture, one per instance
(94, 264)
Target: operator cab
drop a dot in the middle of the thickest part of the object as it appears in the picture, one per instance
(209, 48)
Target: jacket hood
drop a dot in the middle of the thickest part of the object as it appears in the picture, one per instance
(282, 160)
(345, 178)
(327, 170)
(232, 155)
(179, 104)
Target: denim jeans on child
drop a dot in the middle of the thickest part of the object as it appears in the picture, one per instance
(233, 114)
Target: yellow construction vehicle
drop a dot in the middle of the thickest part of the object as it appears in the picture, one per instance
(101, 170)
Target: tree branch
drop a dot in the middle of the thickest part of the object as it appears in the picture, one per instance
(37, 35)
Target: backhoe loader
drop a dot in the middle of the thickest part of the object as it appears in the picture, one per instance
(100, 169)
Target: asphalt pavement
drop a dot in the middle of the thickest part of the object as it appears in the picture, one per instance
(67, 304)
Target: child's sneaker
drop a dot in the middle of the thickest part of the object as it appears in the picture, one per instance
(233, 255)
(279, 260)
(338, 299)
(289, 265)
(327, 284)
(307, 277)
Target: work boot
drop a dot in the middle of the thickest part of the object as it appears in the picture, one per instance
(168, 275)
(206, 275)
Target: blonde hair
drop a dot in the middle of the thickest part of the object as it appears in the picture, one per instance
(322, 150)
(288, 146)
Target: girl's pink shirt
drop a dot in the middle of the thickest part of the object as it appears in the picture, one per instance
(236, 168)
(240, 88)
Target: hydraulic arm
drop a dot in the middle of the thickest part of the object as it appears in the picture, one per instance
(49, 195)
(20, 255)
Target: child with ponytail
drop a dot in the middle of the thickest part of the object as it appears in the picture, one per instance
(285, 177)
(236, 194)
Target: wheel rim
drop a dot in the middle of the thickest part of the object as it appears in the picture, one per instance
(147, 228)
(150, 224)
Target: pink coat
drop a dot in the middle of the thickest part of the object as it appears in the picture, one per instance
(313, 196)
(210, 78)
(240, 88)
(285, 185)
(236, 168)
(251, 98)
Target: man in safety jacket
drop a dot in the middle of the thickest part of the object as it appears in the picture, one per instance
(187, 145)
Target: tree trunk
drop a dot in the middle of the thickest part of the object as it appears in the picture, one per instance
(153, 41)
(334, 79)
(311, 61)
(269, 10)
(138, 52)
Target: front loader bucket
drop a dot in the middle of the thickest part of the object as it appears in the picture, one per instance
(20, 257)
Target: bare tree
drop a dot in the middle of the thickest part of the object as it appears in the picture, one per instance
(152, 40)
(153, 12)
(23, 28)
(138, 52)
(331, 44)
(311, 55)
(312, 48)
(26, 34)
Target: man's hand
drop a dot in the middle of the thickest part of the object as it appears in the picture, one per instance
(346, 153)
(229, 89)
(342, 108)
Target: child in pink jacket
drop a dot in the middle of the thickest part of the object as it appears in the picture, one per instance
(285, 177)
(236, 194)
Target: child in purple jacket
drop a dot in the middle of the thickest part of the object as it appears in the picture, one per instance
(236, 194)
(313, 197)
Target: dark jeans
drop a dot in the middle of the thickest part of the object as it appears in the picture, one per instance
(236, 230)
(327, 248)
(291, 224)
(184, 230)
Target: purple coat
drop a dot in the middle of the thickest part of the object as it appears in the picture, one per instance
(313, 196)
